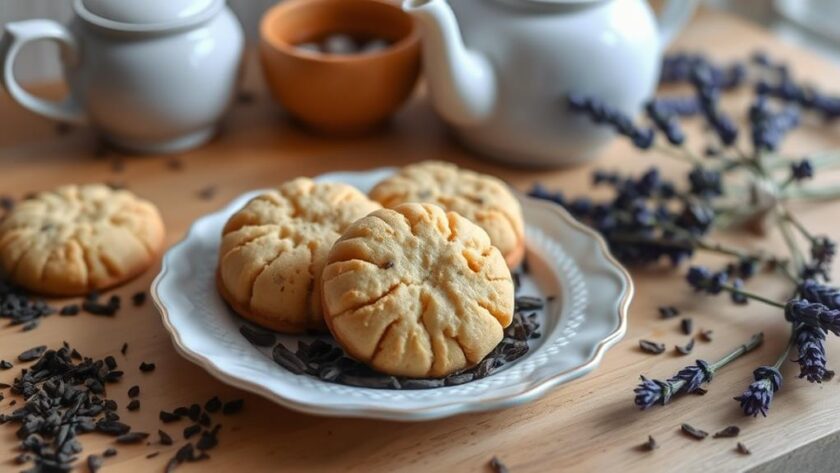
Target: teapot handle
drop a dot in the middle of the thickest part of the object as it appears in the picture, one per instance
(673, 17)
(17, 35)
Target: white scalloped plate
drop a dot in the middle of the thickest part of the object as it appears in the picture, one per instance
(566, 259)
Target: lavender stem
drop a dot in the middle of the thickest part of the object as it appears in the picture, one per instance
(795, 252)
(752, 295)
(753, 342)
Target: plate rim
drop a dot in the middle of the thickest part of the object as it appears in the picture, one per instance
(532, 392)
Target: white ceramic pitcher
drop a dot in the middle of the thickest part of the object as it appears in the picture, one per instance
(499, 70)
(149, 75)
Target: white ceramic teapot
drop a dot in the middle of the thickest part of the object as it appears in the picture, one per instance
(499, 70)
(148, 75)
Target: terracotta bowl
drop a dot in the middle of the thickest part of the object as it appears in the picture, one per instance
(339, 94)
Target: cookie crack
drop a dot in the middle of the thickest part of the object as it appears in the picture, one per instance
(495, 313)
(376, 300)
(257, 276)
(425, 299)
(310, 289)
(379, 342)
(325, 281)
(450, 218)
(248, 241)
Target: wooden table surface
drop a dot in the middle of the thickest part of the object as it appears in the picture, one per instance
(587, 425)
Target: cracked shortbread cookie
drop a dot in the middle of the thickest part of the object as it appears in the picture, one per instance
(417, 291)
(274, 248)
(79, 238)
(484, 199)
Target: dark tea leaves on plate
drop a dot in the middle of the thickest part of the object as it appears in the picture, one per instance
(257, 337)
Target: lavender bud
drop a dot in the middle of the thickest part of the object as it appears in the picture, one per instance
(651, 392)
(813, 291)
(813, 314)
(693, 376)
(812, 362)
(801, 170)
(758, 396)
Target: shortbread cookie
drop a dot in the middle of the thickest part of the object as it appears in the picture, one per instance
(273, 251)
(417, 291)
(483, 199)
(79, 238)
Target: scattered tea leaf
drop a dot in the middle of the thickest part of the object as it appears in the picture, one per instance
(497, 466)
(232, 407)
(132, 437)
(742, 449)
(686, 325)
(69, 310)
(167, 417)
(650, 444)
(165, 439)
(94, 463)
(191, 430)
(694, 432)
(686, 349)
(208, 192)
(32, 353)
(729, 432)
(138, 298)
(651, 347)
(668, 312)
(213, 405)
(706, 335)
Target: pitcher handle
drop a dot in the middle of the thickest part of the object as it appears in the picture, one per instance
(17, 35)
(673, 17)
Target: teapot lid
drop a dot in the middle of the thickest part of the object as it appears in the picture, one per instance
(549, 2)
(146, 15)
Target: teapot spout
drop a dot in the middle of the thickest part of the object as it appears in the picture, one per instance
(461, 81)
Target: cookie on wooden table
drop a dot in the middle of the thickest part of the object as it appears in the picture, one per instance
(79, 238)
(481, 198)
(417, 291)
(274, 248)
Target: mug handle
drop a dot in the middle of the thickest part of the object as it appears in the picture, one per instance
(673, 17)
(17, 35)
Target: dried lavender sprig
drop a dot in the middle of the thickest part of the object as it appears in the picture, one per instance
(600, 112)
(651, 392)
(813, 314)
(758, 396)
(703, 279)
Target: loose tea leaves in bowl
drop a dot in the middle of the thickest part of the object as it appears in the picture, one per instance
(325, 360)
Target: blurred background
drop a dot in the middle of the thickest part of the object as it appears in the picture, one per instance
(811, 23)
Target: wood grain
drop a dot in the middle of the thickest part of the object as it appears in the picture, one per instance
(587, 425)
